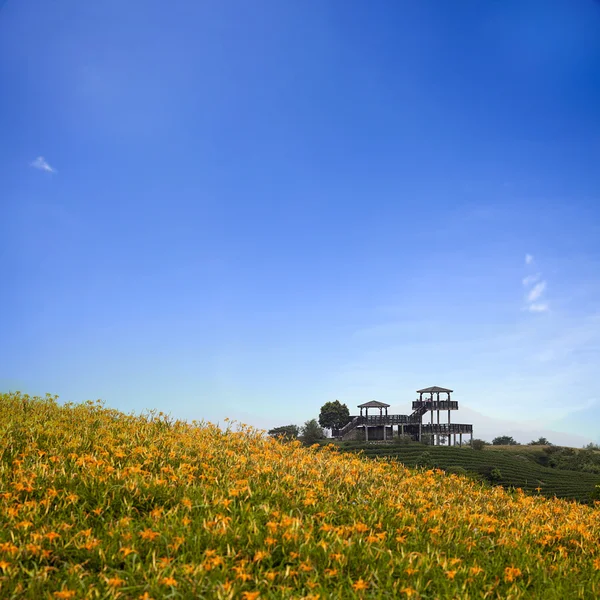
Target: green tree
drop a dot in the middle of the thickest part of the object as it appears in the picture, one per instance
(288, 432)
(334, 415)
(504, 440)
(540, 442)
(311, 432)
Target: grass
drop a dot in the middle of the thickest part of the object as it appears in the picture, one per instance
(509, 468)
(98, 504)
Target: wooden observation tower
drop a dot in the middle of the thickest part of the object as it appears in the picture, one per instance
(384, 427)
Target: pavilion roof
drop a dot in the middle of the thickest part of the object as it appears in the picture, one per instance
(373, 404)
(434, 388)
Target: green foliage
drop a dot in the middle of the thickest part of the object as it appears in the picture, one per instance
(504, 440)
(496, 474)
(479, 444)
(334, 415)
(540, 442)
(311, 432)
(285, 432)
(513, 471)
(586, 460)
(425, 460)
(402, 440)
(457, 470)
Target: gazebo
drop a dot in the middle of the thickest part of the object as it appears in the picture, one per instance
(377, 421)
(373, 404)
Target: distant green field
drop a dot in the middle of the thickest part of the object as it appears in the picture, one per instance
(509, 468)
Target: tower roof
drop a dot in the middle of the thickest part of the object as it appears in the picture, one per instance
(373, 404)
(434, 388)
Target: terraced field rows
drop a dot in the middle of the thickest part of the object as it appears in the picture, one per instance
(498, 468)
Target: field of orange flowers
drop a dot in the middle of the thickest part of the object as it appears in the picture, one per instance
(98, 504)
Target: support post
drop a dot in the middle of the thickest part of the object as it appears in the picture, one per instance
(460, 439)
(366, 433)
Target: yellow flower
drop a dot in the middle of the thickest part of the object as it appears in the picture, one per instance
(360, 585)
(450, 574)
(250, 595)
(64, 594)
(511, 573)
(169, 581)
(260, 554)
(148, 534)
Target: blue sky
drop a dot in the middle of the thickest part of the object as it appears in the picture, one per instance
(246, 209)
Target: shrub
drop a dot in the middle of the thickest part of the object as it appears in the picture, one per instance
(540, 442)
(425, 460)
(402, 440)
(457, 470)
(311, 432)
(504, 440)
(496, 474)
(479, 444)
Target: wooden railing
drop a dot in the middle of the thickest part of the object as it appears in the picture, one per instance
(435, 405)
(446, 428)
(412, 421)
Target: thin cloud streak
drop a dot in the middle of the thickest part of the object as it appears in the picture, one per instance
(531, 279)
(41, 164)
(537, 291)
(538, 307)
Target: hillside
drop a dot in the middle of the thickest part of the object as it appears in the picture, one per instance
(516, 466)
(98, 504)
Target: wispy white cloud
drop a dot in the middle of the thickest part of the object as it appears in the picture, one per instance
(42, 164)
(531, 279)
(537, 307)
(536, 291)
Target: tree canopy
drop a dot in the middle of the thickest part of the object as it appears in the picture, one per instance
(334, 415)
(289, 432)
(311, 432)
(540, 442)
(504, 440)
